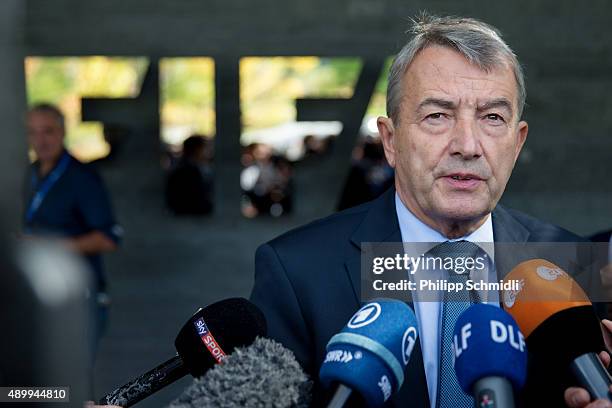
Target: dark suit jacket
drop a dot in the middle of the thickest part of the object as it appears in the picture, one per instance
(603, 236)
(307, 281)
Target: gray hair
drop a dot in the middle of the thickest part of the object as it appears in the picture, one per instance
(50, 110)
(480, 43)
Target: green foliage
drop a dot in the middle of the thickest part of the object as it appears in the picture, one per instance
(48, 80)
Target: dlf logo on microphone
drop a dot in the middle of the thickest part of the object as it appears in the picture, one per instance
(499, 333)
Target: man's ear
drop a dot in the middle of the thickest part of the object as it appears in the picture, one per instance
(522, 131)
(386, 131)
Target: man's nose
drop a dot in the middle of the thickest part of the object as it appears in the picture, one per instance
(465, 141)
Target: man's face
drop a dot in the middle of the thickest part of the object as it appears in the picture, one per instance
(45, 135)
(457, 139)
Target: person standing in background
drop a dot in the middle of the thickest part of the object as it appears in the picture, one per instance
(189, 186)
(67, 200)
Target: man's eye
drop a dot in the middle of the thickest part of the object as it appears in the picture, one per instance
(437, 115)
(494, 117)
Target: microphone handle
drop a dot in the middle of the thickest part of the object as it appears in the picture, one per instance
(495, 389)
(152, 381)
(592, 375)
(341, 395)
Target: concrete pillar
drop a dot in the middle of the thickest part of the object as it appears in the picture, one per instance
(13, 146)
(227, 139)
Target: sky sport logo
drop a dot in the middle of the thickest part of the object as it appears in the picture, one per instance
(209, 341)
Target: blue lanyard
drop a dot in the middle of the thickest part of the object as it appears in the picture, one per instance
(45, 186)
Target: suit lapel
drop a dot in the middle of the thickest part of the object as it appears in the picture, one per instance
(380, 224)
(506, 229)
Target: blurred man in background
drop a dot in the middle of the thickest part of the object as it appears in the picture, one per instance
(370, 174)
(67, 200)
(189, 186)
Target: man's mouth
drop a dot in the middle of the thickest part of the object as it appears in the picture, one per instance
(463, 181)
(464, 177)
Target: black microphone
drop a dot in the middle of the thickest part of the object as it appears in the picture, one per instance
(205, 340)
(264, 374)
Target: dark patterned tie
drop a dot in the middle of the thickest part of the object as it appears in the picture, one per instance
(450, 394)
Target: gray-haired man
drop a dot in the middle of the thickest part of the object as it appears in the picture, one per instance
(455, 98)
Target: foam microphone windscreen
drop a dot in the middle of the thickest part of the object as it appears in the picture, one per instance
(214, 332)
(264, 374)
(488, 343)
(372, 351)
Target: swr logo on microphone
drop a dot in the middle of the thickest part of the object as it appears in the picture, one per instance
(341, 356)
(209, 341)
(499, 333)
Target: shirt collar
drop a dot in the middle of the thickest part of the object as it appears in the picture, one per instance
(417, 231)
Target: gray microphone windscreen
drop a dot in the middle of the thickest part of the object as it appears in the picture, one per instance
(264, 374)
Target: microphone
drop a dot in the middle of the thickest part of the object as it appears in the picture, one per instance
(264, 374)
(563, 332)
(371, 352)
(205, 340)
(490, 355)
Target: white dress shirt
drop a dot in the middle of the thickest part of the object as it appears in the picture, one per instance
(428, 313)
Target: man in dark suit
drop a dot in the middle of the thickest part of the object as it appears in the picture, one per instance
(454, 99)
